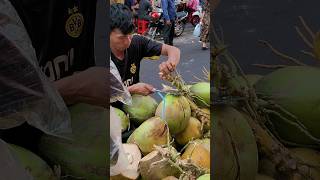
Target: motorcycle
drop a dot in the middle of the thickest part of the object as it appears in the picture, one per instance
(196, 16)
(157, 23)
(193, 15)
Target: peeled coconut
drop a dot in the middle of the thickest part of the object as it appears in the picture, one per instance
(199, 153)
(85, 155)
(153, 167)
(204, 177)
(192, 131)
(177, 112)
(202, 89)
(142, 108)
(37, 167)
(311, 157)
(151, 132)
(125, 122)
(134, 156)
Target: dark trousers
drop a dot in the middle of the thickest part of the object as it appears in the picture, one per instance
(168, 33)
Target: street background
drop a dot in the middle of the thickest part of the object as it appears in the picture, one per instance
(192, 61)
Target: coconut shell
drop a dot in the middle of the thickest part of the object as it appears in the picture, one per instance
(37, 167)
(142, 108)
(192, 131)
(199, 153)
(300, 96)
(177, 112)
(85, 155)
(202, 90)
(234, 145)
(151, 132)
(153, 167)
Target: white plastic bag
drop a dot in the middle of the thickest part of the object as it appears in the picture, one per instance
(197, 30)
(26, 94)
(118, 158)
(118, 90)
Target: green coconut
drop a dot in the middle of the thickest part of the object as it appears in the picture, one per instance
(177, 112)
(204, 177)
(310, 157)
(234, 145)
(85, 156)
(192, 131)
(125, 122)
(142, 108)
(202, 90)
(151, 132)
(37, 167)
(199, 153)
(296, 91)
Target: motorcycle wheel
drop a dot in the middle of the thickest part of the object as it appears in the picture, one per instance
(152, 32)
(179, 28)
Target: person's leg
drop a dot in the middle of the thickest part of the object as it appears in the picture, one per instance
(166, 34)
(204, 36)
(171, 33)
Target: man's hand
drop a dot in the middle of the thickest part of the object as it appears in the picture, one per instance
(90, 86)
(170, 65)
(167, 67)
(141, 88)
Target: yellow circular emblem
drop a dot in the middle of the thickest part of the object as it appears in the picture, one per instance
(74, 25)
(133, 68)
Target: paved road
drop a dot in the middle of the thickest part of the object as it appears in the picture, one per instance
(193, 60)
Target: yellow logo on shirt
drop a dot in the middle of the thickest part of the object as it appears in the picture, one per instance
(74, 23)
(133, 68)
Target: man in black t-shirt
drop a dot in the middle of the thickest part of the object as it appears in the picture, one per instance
(128, 50)
(62, 33)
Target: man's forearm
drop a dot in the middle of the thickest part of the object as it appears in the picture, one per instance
(172, 52)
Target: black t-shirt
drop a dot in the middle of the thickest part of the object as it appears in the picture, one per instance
(140, 47)
(62, 33)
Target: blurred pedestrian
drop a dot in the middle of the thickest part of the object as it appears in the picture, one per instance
(169, 14)
(205, 25)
